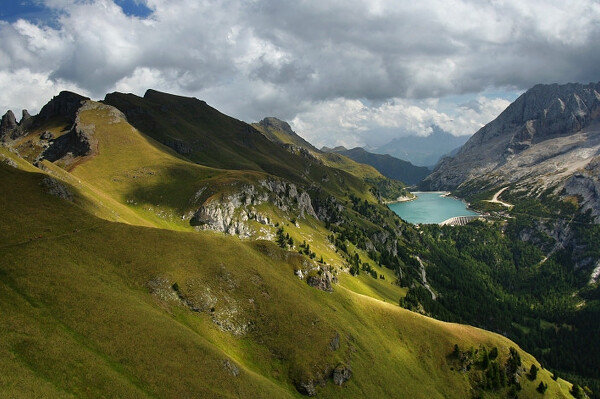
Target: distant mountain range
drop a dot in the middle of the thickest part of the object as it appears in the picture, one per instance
(280, 132)
(388, 165)
(423, 150)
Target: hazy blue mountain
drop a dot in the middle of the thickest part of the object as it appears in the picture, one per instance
(423, 151)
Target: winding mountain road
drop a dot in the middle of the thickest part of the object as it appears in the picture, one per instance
(495, 199)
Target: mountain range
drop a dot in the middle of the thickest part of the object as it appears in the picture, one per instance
(155, 247)
(423, 150)
(388, 165)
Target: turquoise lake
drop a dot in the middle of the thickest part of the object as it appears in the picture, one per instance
(430, 207)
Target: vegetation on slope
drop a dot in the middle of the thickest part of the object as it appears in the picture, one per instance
(147, 311)
(525, 275)
(95, 308)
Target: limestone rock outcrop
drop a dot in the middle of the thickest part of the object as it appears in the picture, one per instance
(232, 212)
(7, 125)
(79, 141)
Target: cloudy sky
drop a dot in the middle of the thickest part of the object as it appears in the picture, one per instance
(351, 72)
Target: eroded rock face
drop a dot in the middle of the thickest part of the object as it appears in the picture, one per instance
(322, 281)
(307, 388)
(56, 188)
(220, 216)
(8, 125)
(230, 214)
(215, 298)
(586, 186)
(341, 374)
(80, 140)
(65, 104)
(179, 146)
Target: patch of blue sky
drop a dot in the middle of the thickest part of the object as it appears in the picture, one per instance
(135, 8)
(36, 11)
(13, 10)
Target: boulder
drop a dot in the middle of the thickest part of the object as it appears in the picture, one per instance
(322, 281)
(306, 388)
(335, 342)
(56, 188)
(231, 368)
(341, 374)
(46, 135)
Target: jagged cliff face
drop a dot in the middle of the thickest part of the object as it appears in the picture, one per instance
(232, 213)
(548, 138)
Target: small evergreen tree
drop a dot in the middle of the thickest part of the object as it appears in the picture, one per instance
(542, 387)
(456, 351)
(533, 372)
(485, 359)
(493, 353)
(281, 240)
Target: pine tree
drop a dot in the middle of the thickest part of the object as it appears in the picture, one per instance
(533, 372)
(542, 387)
(577, 392)
(485, 359)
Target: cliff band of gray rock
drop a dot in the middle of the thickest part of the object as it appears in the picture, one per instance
(230, 213)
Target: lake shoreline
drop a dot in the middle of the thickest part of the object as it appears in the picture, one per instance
(416, 212)
(401, 199)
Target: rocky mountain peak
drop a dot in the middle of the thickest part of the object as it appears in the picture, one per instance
(542, 112)
(278, 124)
(545, 138)
(7, 125)
(65, 104)
(25, 116)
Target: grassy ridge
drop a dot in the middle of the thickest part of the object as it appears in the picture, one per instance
(89, 309)
(208, 137)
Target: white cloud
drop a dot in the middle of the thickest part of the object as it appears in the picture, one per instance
(24, 89)
(355, 70)
(353, 123)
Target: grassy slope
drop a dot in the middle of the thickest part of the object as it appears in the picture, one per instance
(145, 183)
(275, 132)
(136, 180)
(217, 140)
(332, 160)
(388, 189)
(79, 321)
